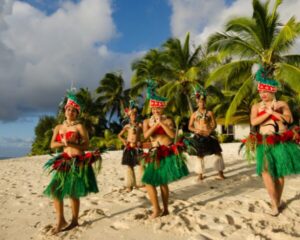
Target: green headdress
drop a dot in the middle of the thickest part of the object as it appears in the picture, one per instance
(263, 78)
(155, 100)
(132, 106)
(199, 92)
(72, 100)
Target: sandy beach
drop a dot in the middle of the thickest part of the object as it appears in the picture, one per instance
(234, 209)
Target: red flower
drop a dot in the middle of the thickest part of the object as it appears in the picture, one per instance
(270, 139)
(287, 136)
(162, 152)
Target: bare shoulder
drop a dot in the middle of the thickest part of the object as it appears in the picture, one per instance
(169, 119)
(255, 106)
(57, 127)
(282, 103)
(146, 121)
(80, 126)
(210, 113)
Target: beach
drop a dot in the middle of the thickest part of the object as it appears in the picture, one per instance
(235, 208)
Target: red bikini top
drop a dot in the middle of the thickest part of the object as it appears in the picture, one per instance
(159, 131)
(69, 135)
(274, 118)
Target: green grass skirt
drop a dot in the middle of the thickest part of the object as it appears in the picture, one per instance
(71, 177)
(279, 159)
(165, 170)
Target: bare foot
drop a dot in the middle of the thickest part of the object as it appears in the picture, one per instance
(282, 206)
(274, 211)
(59, 227)
(220, 176)
(200, 178)
(165, 213)
(128, 189)
(72, 225)
(156, 214)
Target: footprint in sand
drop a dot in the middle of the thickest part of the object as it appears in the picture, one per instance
(229, 219)
(251, 208)
(139, 214)
(92, 214)
(46, 229)
(119, 225)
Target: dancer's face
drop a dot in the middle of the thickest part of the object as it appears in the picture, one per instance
(201, 103)
(133, 115)
(157, 111)
(71, 113)
(266, 96)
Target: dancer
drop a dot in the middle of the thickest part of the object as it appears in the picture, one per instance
(202, 123)
(73, 175)
(164, 161)
(132, 150)
(274, 145)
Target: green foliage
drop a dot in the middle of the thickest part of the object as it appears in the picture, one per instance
(261, 39)
(223, 67)
(112, 95)
(109, 141)
(43, 134)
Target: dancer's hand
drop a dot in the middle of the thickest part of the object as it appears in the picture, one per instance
(64, 139)
(269, 111)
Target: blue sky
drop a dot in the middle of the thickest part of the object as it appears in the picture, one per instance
(141, 25)
(47, 45)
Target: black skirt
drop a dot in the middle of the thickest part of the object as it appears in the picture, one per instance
(205, 145)
(131, 156)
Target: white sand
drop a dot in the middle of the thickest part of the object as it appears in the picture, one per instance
(231, 209)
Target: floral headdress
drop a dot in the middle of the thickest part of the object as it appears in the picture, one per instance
(73, 101)
(263, 79)
(199, 92)
(155, 100)
(132, 107)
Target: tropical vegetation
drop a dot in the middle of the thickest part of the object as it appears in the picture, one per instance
(223, 65)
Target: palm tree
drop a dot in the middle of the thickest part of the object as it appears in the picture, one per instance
(262, 39)
(185, 68)
(151, 66)
(43, 134)
(112, 94)
(92, 115)
(177, 69)
(108, 141)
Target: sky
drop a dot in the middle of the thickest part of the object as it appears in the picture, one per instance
(46, 46)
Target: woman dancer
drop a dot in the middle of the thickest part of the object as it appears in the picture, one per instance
(276, 150)
(164, 161)
(73, 175)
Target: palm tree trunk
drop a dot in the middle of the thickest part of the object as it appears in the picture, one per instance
(190, 104)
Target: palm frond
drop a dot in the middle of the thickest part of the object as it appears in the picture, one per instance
(289, 74)
(244, 91)
(286, 36)
(222, 72)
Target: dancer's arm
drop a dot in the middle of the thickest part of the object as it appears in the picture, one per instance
(124, 141)
(257, 120)
(168, 126)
